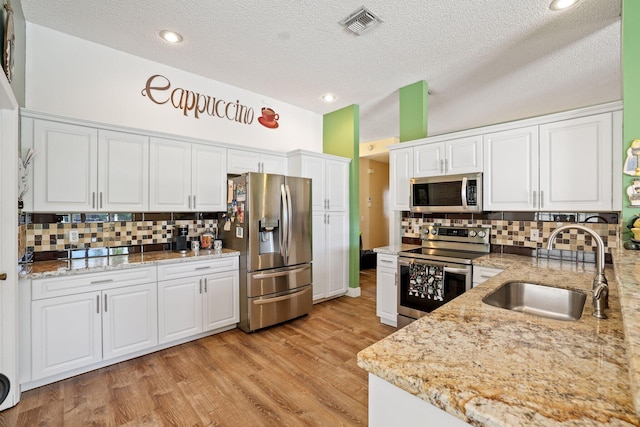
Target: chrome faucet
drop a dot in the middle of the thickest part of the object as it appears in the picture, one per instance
(600, 289)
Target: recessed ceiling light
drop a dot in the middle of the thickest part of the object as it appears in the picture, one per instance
(562, 4)
(170, 36)
(329, 97)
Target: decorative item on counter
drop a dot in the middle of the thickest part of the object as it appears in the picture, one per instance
(632, 163)
(633, 192)
(23, 172)
(206, 239)
(634, 227)
(195, 246)
(217, 245)
(9, 42)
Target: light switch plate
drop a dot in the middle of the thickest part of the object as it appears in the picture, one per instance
(534, 235)
(73, 236)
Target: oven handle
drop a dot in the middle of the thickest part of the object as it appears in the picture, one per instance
(457, 270)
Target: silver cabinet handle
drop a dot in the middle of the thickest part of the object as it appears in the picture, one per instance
(93, 200)
(189, 201)
(395, 281)
(200, 281)
(205, 285)
(442, 165)
(328, 219)
(541, 199)
(98, 304)
(446, 165)
(105, 303)
(387, 261)
(194, 201)
(328, 203)
(95, 282)
(101, 200)
(203, 268)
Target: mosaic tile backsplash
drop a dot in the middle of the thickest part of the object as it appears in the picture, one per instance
(517, 232)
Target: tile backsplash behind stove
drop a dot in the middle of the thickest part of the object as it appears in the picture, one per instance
(512, 230)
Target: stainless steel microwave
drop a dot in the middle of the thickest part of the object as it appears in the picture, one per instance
(449, 193)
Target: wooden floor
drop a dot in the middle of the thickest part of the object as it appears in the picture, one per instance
(302, 373)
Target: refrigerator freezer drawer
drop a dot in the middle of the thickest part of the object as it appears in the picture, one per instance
(270, 310)
(278, 280)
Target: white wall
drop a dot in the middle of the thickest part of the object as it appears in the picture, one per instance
(73, 77)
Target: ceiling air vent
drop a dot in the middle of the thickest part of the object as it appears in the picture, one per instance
(360, 20)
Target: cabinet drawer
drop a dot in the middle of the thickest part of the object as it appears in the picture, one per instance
(482, 274)
(90, 282)
(387, 261)
(196, 268)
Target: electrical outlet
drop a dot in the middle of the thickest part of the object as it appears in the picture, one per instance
(534, 234)
(73, 236)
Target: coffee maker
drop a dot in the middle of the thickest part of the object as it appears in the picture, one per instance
(181, 239)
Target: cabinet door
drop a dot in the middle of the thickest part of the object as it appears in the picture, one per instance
(65, 174)
(129, 320)
(386, 293)
(66, 333)
(510, 179)
(170, 175)
(179, 308)
(221, 304)
(273, 164)
(428, 160)
(576, 164)
(240, 161)
(337, 185)
(319, 255)
(313, 167)
(123, 172)
(337, 253)
(400, 172)
(464, 155)
(209, 178)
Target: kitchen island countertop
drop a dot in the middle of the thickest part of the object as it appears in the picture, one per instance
(495, 367)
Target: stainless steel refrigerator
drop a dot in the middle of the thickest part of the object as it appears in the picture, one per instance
(269, 222)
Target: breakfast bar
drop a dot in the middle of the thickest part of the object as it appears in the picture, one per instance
(490, 366)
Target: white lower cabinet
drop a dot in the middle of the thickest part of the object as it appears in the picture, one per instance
(482, 274)
(73, 331)
(386, 289)
(196, 298)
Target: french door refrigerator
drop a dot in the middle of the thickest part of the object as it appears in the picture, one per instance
(269, 222)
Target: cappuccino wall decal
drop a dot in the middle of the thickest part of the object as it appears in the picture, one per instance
(158, 90)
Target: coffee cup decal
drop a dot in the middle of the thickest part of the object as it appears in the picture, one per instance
(269, 118)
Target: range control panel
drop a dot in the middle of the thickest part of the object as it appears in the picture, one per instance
(436, 233)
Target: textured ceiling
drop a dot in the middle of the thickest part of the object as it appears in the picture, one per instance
(486, 61)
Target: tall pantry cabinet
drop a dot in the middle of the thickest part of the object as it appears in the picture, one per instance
(330, 207)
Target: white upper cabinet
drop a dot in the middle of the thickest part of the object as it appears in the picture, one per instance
(511, 170)
(123, 171)
(576, 164)
(83, 169)
(400, 172)
(186, 177)
(242, 161)
(457, 156)
(563, 165)
(65, 174)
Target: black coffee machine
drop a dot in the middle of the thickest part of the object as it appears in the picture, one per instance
(181, 239)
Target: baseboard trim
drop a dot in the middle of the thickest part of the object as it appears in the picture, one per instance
(353, 292)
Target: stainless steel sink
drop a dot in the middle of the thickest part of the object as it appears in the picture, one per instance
(538, 299)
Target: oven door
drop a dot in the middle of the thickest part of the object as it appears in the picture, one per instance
(425, 285)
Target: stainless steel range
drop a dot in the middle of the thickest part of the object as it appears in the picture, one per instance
(439, 271)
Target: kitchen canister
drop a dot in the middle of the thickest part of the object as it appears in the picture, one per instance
(206, 240)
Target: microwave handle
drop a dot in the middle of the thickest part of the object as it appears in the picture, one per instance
(463, 192)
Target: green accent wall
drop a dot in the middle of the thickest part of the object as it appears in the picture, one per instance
(630, 95)
(341, 137)
(413, 111)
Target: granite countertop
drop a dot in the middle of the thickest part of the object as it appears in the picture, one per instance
(99, 264)
(495, 367)
(394, 249)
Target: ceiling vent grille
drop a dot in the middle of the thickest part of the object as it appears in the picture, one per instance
(360, 20)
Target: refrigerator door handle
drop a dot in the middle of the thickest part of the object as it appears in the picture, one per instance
(285, 220)
(289, 216)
